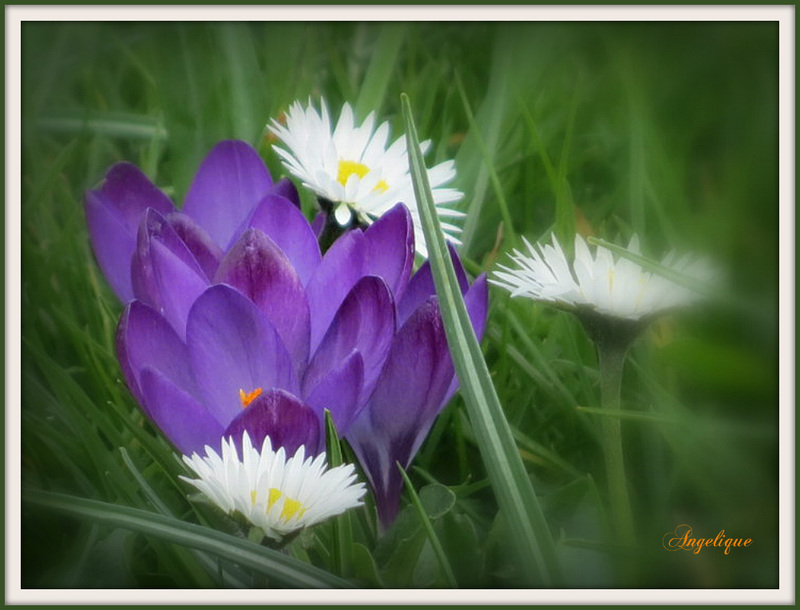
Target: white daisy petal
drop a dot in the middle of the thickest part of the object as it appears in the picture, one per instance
(351, 164)
(278, 495)
(617, 288)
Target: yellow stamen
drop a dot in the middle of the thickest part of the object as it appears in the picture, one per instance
(274, 496)
(253, 497)
(348, 168)
(610, 280)
(292, 508)
(248, 398)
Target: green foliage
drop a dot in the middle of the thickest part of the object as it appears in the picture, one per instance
(668, 130)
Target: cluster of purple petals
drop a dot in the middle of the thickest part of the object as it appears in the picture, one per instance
(235, 321)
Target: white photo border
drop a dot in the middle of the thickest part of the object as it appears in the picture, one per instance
(784, 15)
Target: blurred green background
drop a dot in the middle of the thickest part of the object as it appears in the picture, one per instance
(668, 130)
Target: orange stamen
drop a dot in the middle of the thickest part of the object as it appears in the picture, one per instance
(248, 398)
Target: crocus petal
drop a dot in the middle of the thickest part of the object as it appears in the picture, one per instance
(232, 347)
(381, 472)
(130, 192)
(337, 273)
(477, 302)
(261, 271)
(184, 420)
(207, 253)
(289, 229)
(286, 188)
(318, 224)
(113, 245)
(283, 417)
(164, 272)
(364, 322)
(112, 215)
(339, 392)
(421, 287)
(145, 339)
(229, 184)
(390, 248)
(408, 397)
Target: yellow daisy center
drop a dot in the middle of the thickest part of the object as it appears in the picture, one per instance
(348, 168)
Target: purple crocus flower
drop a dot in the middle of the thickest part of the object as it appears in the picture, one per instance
(231, 182)
(239, 323)
(416, 382)
(258, 326)
(232, 373)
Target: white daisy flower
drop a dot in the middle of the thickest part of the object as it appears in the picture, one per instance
(612, 287)
(278, 495)
(352, 167)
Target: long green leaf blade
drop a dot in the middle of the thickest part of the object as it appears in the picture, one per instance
(650, 265)
(281, 568)
(527, 526)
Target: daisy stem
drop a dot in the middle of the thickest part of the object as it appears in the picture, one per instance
(611, 356)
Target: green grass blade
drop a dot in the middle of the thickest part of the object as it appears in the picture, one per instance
(565, 212)
(246, 94)
(208, 564)
(115, 125)
(713, 290)
(489, 163)
(527, 526)
(436, 545)
(280, 568)
(380, 70)
(151, 495)
(641, 416)
(333, 443)
(656, 267)
(342, 527)
(490, 117)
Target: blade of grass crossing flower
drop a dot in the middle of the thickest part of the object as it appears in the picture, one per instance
(342, 527)
(710, 291)
(280, 568)
(655, 267)
(380, 70)
(528, 529)
(428, 527)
